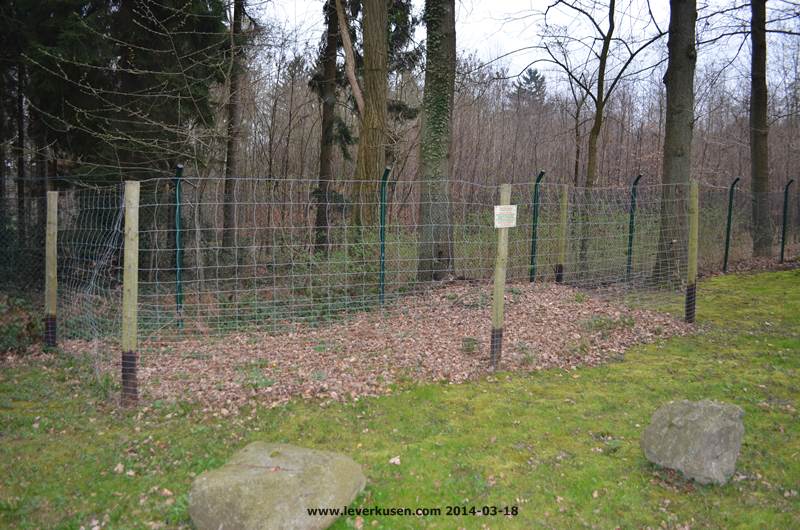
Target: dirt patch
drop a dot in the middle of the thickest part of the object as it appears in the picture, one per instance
(442, 335)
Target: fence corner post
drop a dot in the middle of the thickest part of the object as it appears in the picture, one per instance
(535, 226)
(631, 228)
(130, 295)
(691, 268)
(51, 272)
(382, 235)
(729, 225)
(785, 217)
(501, 263)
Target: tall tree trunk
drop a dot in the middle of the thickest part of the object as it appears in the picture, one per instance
(349, 57)
(2, 147)
(676, 166)
(594, 136)
(272, 129)
(39, 189)
(328, 97)
(22, 221)
(290, 120)
(576, 167)
(234, 122)
(600, 98)
(759, 129)
(372, 135)
(435, 238)
(591, 149)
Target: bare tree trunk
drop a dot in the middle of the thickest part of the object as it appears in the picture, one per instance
(372, 134)
(272, 129)
(290, 120)
(328, 97)
(759, 130)
(2, 147)
(22, 221)
(591, 150)
(39, 189)
(234, 122)
(576, 168)
(594, 135)
(676, 169)
(350, 57)
(435, 238)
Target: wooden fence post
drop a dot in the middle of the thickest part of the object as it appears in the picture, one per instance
(51, 272)
(500, 265)
(563, 233)
(691, 266)
(130, 295)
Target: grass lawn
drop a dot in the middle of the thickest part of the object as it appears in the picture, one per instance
(561, 446)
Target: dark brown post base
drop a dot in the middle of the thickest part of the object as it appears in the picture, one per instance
(130, 386)
(496, 348)
(691, 297)
(50, 331)
(559, 273)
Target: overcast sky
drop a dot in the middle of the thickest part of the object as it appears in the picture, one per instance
(491, 28)
(501, 28)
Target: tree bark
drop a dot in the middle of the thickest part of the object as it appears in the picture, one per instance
(233, 131)
(372, 135)
(759, 130)
(435, 232)
(328, 97)
(679, 126)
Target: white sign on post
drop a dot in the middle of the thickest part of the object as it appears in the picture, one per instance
(505, 216)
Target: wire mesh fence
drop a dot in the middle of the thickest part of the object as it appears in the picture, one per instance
(22, 243)
(273, 274)
(252, 266)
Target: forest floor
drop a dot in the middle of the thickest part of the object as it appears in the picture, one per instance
(560, 443)
(439, 336)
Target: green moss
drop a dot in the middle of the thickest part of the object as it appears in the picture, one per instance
(562, 446)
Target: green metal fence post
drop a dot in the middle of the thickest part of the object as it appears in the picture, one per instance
(178, 247)
(534, 225)
(563, 233)
(785, 216)
(631, 228)
(729, 224)
(382, 274)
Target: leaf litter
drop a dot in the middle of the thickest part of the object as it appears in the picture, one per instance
(421, 338)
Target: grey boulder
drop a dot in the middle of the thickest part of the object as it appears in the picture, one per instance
(701, 439)
(270, 486)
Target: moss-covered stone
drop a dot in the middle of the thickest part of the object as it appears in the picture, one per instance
(266, 486)
(700, 439)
